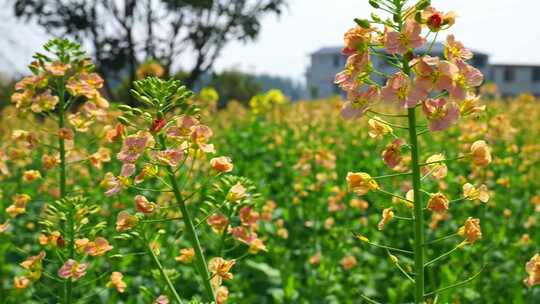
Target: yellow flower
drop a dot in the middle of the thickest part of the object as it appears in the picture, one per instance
(117, 282)
(186, 255)
(31, 175)
(438, 203)
(472, 193)
(377, 129)
(471, 230)
(480, 152)
(21, 282)
(220, 269)
(361, 183)
(387, 216)
(533, 269)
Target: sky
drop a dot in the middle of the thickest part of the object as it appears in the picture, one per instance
(505, 29)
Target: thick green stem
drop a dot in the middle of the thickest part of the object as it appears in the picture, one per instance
(418, 212)
(62, 149)
(200, 260)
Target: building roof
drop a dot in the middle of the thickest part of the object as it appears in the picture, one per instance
(437, 48)
(516, 65)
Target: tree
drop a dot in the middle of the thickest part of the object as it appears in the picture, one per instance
(235, 85)
(124, 33)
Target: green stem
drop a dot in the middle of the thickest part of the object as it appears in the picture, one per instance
(435, 260)
(418, 210)
(164, 275)
(200, 260)
(68, 295)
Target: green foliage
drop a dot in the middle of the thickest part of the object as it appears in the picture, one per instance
(235, 85)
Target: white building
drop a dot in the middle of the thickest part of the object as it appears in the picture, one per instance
(513, 79)
(510, 79)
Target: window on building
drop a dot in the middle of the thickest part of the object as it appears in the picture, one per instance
(337, 60)
(479, 61)
(509, 74)
(336, 89)
(536, 74)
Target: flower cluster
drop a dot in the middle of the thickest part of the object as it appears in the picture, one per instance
(444, 89)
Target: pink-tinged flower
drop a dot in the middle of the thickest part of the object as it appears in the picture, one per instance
(98, 247)
(31, 83)
(236, 193)
(435, 19)
(357, 66)
(162, 300)
(400, 89)
(200, 135)
(117, 282)
(114, 184)
(222, 294)
(436, 168)
(132, 148)
(157, 125)
(359, 102)
(533, 269)
(90, 109)
(378, 127)
(170, 157)
(243, 235)
(115, 133)
(248, 216)
(221, 164)
(438, 203)
(102, 155)
(218, 222)
(44, 102)
(409, 38)
(186, 255)
(387, 216)
(348, 262)
(440, 113)
(481, 154)
(392, 154)
(57, 68)
(183, 127)
(357, 38)
(72, 269)
(455, 50)
(432, 73)
(143, 205)
(467, 78)
(125, 221)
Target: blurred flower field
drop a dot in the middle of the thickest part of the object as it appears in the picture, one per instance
(297, 157)
(168, 198)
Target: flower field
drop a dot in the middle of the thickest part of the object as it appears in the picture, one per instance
(423, 189)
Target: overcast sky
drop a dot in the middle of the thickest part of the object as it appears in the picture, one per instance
(508, 30)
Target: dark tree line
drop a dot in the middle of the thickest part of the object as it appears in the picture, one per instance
(124, 33)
